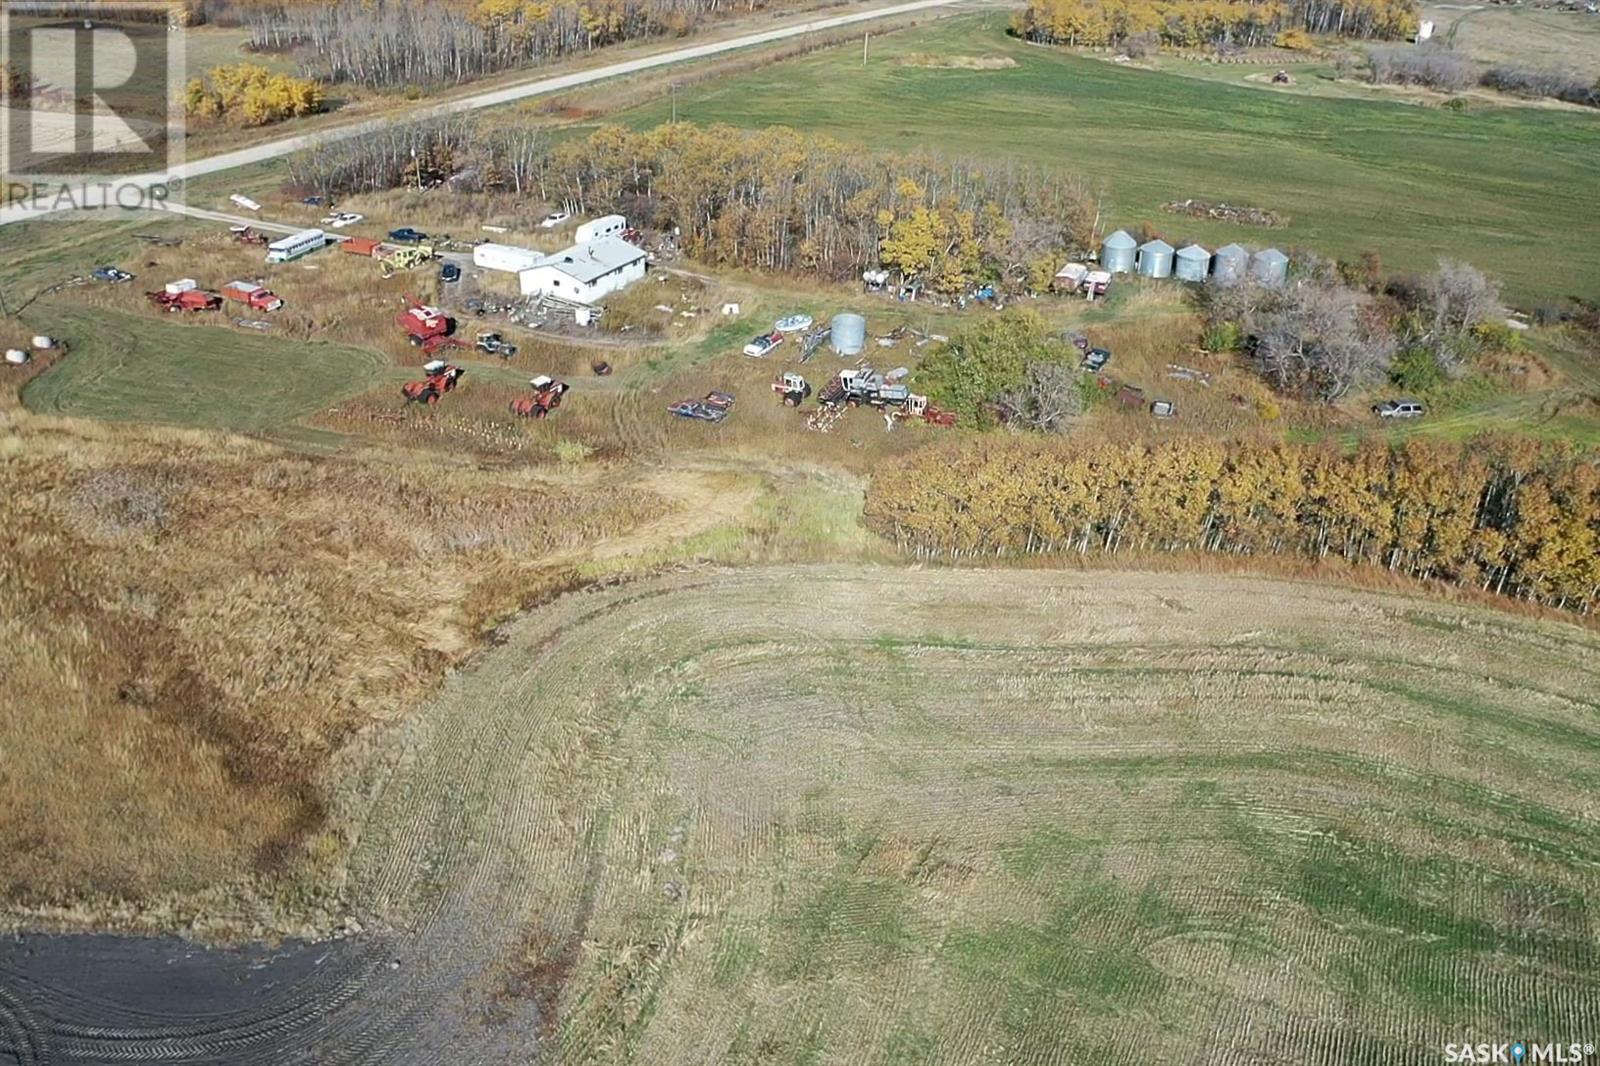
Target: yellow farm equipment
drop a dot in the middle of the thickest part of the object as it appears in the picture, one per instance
(405, 259)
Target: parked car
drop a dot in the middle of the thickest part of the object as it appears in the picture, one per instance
(341, 219)
(554, 219)
(762, 345)
(697, 410)
(312, 201)
(111, 275)
(1398, 409)
(407, 235)
(449, 273)
(1096, 359)
(714, 408)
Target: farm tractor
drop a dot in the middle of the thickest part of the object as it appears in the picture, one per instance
(423, 323)
(405, 259)
(441, 378)
(187, 300)
(247, 235)
(490, 342)
(792, 389)
(546, 397)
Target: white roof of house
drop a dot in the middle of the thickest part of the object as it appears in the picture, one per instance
(594, 259)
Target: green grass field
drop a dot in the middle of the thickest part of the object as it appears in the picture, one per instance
(132, 368)
(1499, 188)
(859, 815)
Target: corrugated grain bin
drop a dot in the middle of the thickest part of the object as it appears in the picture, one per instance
(360, 246)
(1192, 263)
(1269, 266)
(848, 334)
(1229, 264)
(1155, 259)
(506, 257)
(1117, 254)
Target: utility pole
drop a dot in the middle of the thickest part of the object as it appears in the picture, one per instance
(674, 103)
(864, 37)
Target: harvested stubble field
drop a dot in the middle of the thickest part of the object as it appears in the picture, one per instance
(876, 815)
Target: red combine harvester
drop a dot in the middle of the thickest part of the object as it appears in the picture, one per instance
(254, 297)
(423, 323)
(188, 300)
(442, 378)
(546, 397)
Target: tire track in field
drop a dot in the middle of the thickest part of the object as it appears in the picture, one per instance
(513, 840)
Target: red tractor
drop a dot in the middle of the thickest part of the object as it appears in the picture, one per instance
(189, 300)
(247, 235)
(546, 397)
(423, 323)
(442, 377)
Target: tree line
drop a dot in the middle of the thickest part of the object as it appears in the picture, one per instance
(252, 95)
(386, 44)
(1195, 23)
(1508, 516)
(770, 199)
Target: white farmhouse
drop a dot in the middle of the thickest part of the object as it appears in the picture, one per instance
(585, 273)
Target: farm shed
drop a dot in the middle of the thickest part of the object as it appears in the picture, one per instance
(1192, 263)
(1155, 259)
(1117, 254)
(1269, 266)
(1070, 277)
(1230, 264)
(585, 273)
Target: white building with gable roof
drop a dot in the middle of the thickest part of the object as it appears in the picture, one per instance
(585, 273)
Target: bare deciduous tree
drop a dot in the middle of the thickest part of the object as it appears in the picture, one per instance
(1049, 399)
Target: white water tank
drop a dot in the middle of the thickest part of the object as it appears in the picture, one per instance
(848, 334)
(16, 356)
(182, 285)
(43, 343)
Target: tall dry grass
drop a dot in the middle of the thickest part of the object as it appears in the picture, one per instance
(196, 624)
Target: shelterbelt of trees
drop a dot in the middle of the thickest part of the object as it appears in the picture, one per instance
(1196, 23)
(384, 44)
(1507, 516)
(771, 199)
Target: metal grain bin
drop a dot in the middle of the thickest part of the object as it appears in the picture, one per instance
(1269, 266)
(1192, 263)
(1117, 254)
(1155, 259)
(1230, 264)
(848, 334)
